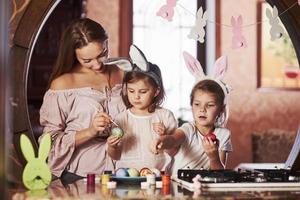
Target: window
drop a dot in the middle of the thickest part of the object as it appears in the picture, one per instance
(163, 43)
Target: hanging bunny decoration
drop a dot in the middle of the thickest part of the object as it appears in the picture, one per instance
(167, 11)
(220, 68)
(276, 30)
(238, 39)
(36, 174)
(197, 32)
(137, 62)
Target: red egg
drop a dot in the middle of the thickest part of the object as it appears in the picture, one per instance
(213, 137)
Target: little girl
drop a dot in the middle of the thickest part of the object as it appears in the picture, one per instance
(208, 101)
(144, 120)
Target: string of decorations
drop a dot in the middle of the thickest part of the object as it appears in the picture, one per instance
(197, 32)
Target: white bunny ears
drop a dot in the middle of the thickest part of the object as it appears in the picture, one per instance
(138, 59)
(137, 62)
(196, 70)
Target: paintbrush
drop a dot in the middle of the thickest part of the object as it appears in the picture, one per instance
(112, 121)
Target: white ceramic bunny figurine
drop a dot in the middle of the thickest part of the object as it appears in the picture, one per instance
(238, 39)
(197, 32)
(276, 30)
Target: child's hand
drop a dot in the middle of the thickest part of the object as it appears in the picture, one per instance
(100, 122)
(113, 141)
(159, 128)
(210, 148)
(156, 146)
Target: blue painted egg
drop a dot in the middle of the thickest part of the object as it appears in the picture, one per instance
(121, 172)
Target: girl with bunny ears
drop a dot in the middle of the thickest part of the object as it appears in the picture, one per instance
(144, 120)
(208, 101)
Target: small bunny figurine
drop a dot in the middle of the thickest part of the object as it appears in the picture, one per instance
(167, 10)
(276, 30)
(36, 174)
(238, 40)
(299, 2)
(197, 32)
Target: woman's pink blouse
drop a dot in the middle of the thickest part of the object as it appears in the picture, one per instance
(63, 113)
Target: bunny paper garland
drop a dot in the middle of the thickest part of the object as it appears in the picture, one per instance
(36, 174)
(197, 32)
(220, 68)
(167, 11)
(276, 30)
(238, 39)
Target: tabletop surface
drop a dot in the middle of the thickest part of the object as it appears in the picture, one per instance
(81, 190)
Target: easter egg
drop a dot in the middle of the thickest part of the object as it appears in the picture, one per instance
(155, 171)
(144, 171)
(121, 172)
(133, 172)
(213, 137)
(117, 131)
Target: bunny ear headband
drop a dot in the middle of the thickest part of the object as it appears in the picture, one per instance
(137, 62)
(220, 67)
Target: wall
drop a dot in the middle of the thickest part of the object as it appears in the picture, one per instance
(107, 14)
(250, 109)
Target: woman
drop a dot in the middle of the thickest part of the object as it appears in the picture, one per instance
(82, 97)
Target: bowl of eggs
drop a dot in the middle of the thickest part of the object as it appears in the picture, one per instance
(134, 176)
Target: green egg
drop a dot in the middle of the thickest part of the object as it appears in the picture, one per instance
(117, 132)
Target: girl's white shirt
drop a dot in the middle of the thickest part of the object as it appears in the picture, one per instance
(138, 135)
(191, 154)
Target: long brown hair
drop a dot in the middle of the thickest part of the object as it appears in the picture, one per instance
(77, 35)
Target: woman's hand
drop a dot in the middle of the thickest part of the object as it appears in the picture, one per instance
(159, 128)
(113, 141)
(99, 123)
